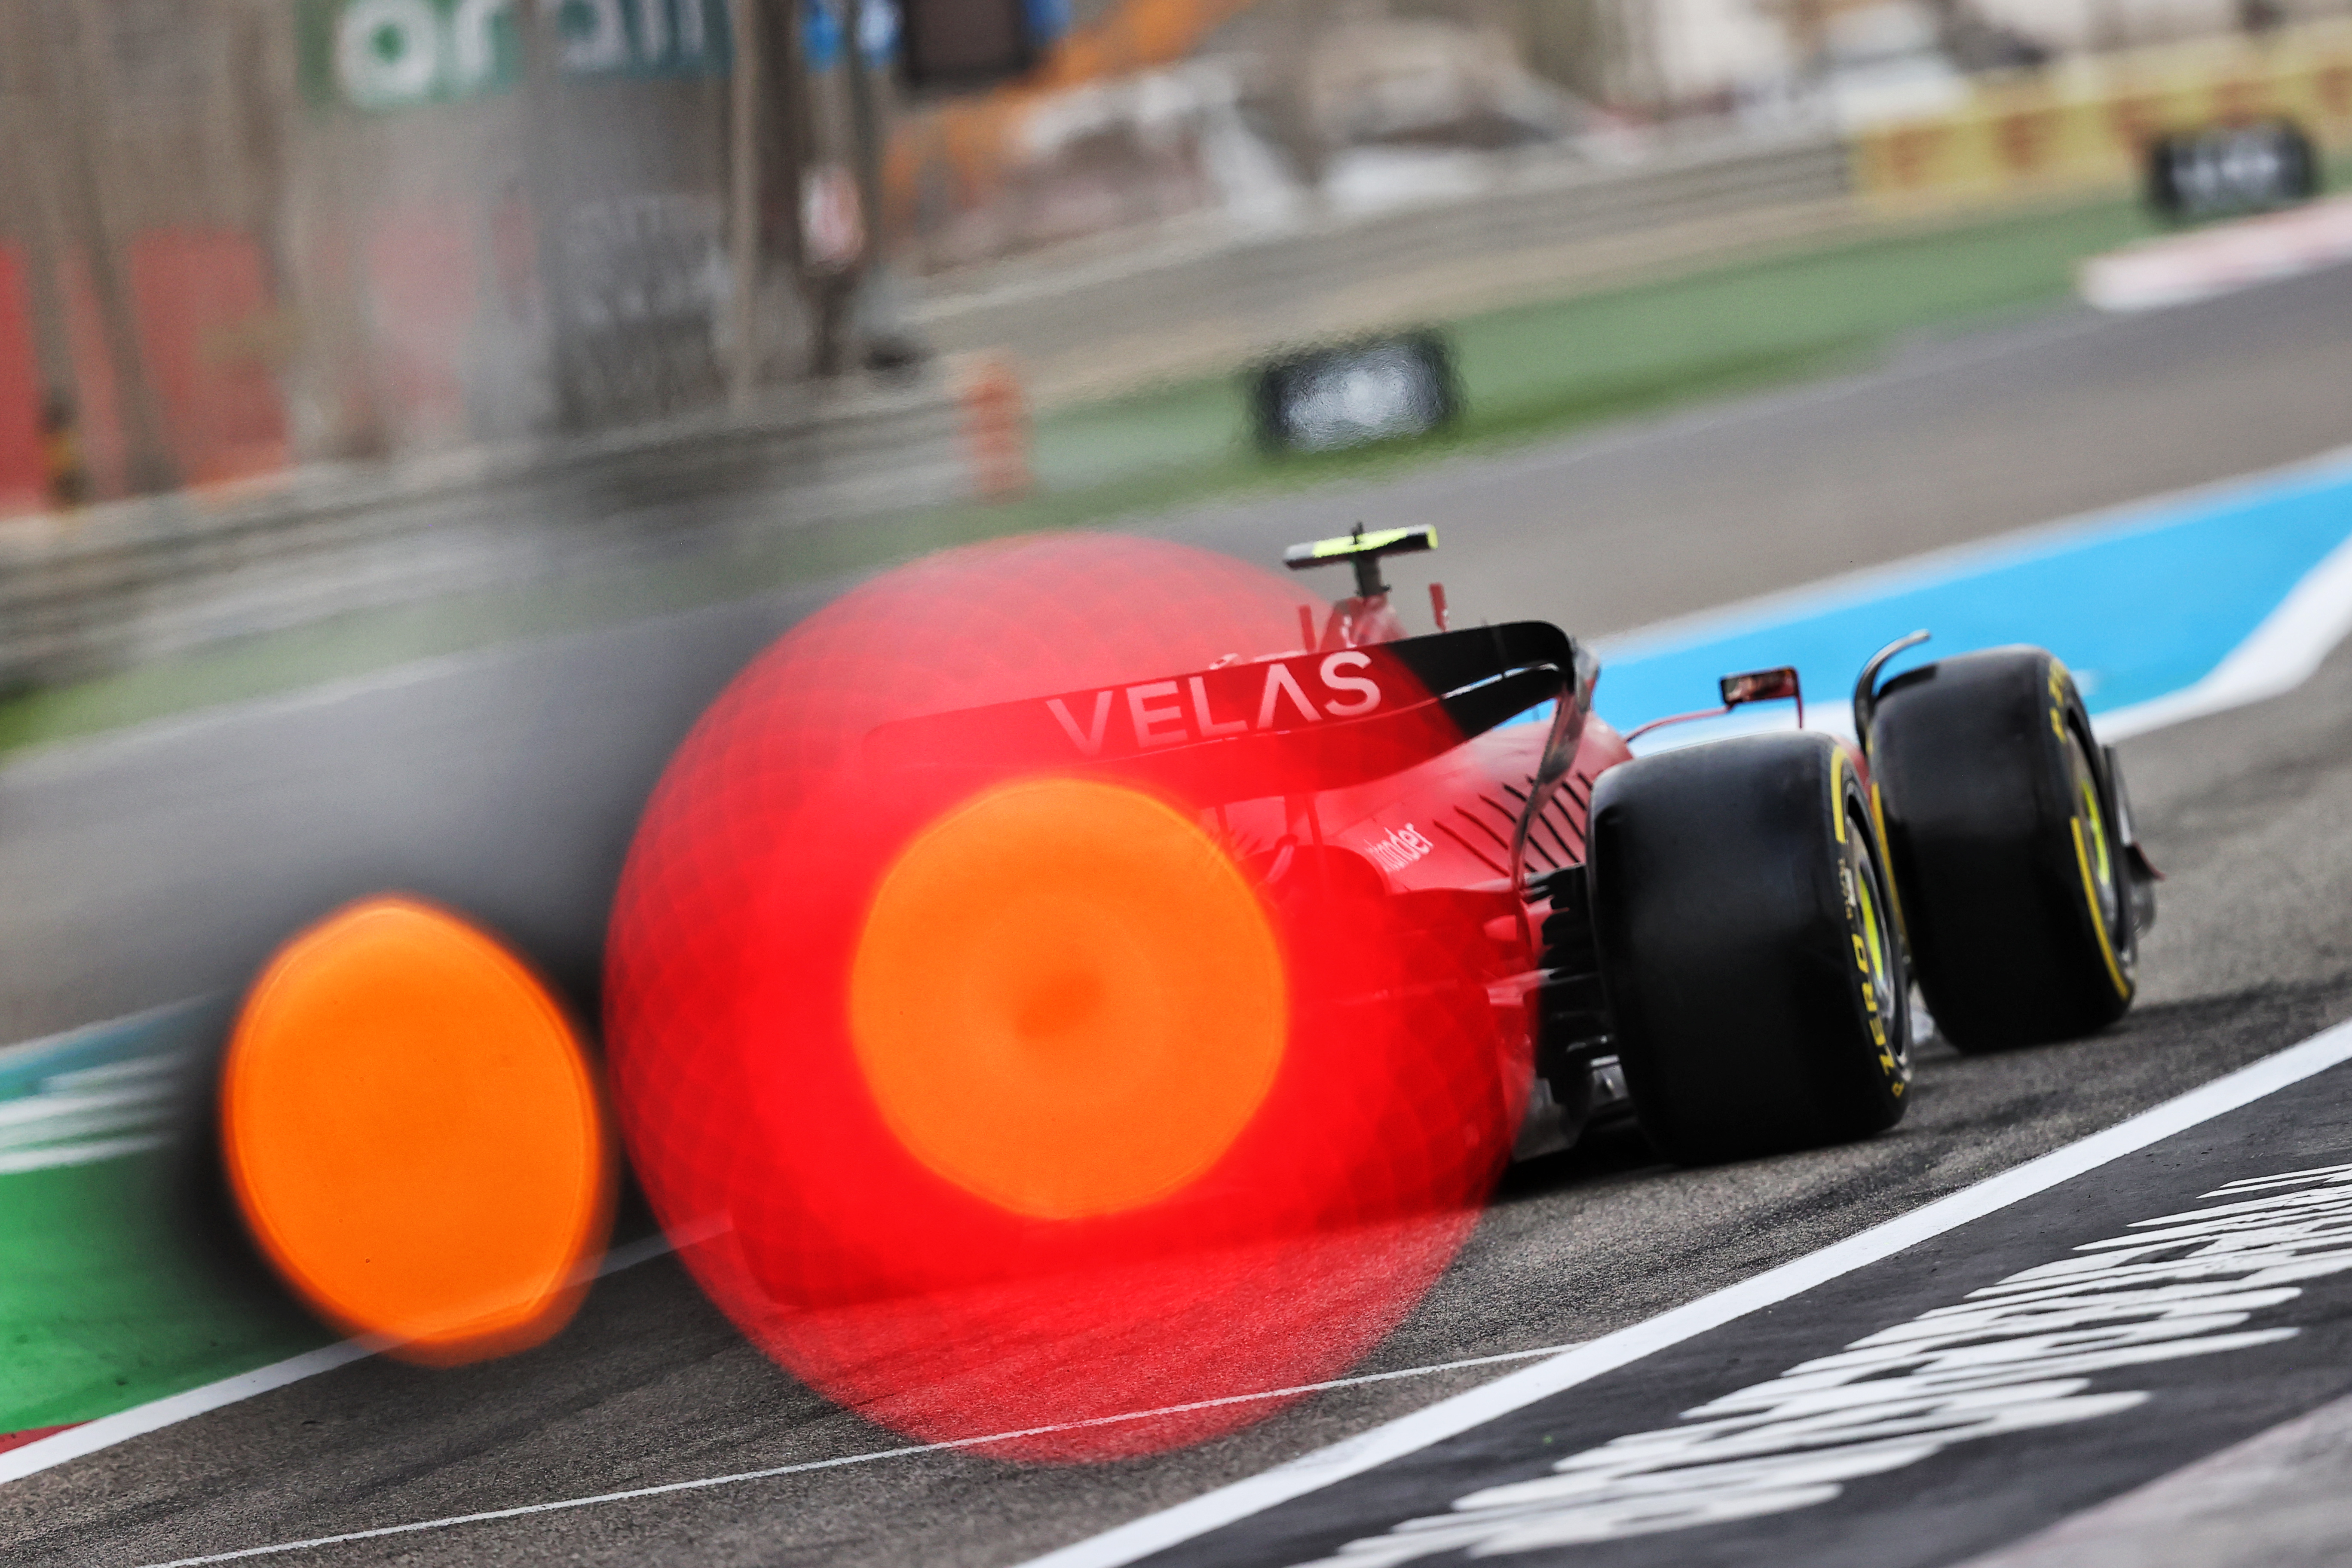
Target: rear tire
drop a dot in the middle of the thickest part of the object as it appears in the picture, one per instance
(2003, 826)
(1748, 948)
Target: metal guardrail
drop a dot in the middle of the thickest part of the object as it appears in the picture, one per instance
(135, 580)
(1219, 295)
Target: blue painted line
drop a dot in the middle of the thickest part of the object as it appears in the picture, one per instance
(184, 1026)
(2140, 603)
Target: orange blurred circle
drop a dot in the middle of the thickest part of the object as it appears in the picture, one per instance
(1066, 998)
(415, 1135)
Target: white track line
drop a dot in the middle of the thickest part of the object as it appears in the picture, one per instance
(87, 1151)
(140, 1420)
(2287, 650)
(1930, 567)
(75, 1442)
(2283, 650)
(805, 1465)
(1411, 1433)
(1563, 1368)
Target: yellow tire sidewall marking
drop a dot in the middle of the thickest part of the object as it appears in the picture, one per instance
(2098, 916)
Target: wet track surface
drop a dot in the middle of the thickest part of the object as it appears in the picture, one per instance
(160, 865)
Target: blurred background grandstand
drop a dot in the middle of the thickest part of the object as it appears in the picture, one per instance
(311, 309)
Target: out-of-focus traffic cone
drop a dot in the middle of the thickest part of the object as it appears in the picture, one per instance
(996, 431)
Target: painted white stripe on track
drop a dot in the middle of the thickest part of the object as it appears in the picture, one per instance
(911, 1451)
(1931, 567)
(86, 1151)
(1564, 1368)
(1448, 1419)
(2285, 649)
(105, 1432)
(2281, 653)
(76, 1442)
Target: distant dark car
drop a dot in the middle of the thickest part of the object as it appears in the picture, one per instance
(1352, 394)
(2225, 170)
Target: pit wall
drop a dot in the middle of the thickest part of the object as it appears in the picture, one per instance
(149, 579)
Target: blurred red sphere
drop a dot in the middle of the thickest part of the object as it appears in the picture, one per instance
(819, 960)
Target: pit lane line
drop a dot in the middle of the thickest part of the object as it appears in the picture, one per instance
(1451, 1417)
(803, 1467)
(1562, 1368)
(106, 1431)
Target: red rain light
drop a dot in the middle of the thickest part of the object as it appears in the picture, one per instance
(979, 994)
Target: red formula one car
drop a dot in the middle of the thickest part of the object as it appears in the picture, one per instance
(1720, 940)
(1209, 987)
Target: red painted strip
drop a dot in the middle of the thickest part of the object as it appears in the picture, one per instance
(19, 1439)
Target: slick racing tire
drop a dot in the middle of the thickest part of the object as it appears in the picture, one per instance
(1748, 948)
(2003, 828)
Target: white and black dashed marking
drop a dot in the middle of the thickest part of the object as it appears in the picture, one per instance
(2012, 1357)
(1944, 1398)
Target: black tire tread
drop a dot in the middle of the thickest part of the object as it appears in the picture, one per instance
(1724, 948)
(1977, 795)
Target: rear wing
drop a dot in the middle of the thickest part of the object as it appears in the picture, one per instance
(1285, 725)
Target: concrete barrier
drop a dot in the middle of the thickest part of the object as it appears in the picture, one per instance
(134, 582)
(138, 580)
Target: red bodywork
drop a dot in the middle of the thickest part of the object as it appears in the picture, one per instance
(1376, 838)
(1444, 829)
(1372, 787)
(1340, 760)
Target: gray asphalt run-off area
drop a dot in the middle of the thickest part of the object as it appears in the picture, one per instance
(158, 864)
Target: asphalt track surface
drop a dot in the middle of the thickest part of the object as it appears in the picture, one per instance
(149, 867)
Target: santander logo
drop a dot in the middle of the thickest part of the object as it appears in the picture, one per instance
(1397, 850)
(1280, 694)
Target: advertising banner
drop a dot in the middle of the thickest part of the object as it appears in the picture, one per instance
(2092, 121)
(380, 54)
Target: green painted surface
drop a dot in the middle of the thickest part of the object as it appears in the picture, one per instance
(109, 1298)
(126, 1278)
(1537, 370)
